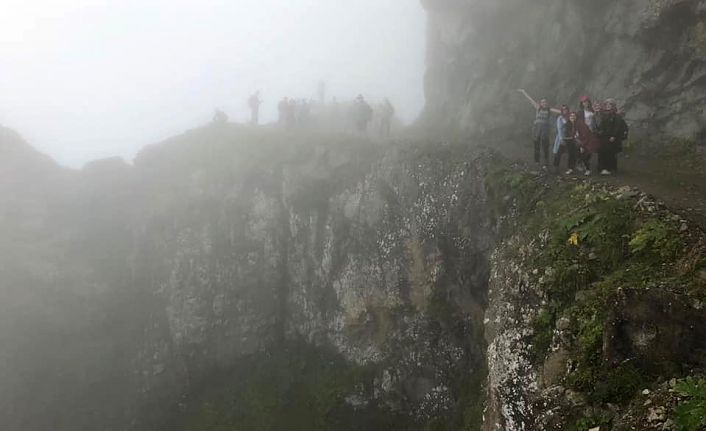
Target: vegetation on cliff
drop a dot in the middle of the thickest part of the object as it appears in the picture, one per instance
(620, 282)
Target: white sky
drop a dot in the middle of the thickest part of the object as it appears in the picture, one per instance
(86, 79)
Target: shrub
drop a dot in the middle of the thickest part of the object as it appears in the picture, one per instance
(657, 239)
(690, 414)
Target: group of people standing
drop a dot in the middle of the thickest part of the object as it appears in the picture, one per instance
(381, 115)
(594, 128)
(354, 116)
(294, 112)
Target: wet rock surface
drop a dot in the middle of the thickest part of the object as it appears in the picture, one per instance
(208, 251)
(649, 54)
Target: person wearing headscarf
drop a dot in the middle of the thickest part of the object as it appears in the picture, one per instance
(612, 132)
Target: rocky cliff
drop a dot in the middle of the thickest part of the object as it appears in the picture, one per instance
(242, 279)
(128, 288)
(234, 278)
(649, 54)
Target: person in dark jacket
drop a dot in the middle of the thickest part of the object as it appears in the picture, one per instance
(597, 114)
(612, 131)
(568, 143)
(588, 144)
(254, 103)
(542, 127)
(363, 113)
(282, 108)
(387, 112)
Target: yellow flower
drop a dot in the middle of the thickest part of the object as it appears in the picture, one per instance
(574, 239)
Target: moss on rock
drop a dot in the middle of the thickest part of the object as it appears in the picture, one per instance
(602, 261)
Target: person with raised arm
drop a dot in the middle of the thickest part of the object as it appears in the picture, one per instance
(541, 128)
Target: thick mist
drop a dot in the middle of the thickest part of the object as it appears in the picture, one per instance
(87, 79)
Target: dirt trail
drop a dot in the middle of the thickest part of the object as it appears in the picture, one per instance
(680, 182)
(683, 189)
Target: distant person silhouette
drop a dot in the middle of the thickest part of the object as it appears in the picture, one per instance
(387, 112)
(283, 107)
(363, 114)
(254, 103)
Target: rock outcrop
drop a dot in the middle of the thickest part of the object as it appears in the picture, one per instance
(649, 54)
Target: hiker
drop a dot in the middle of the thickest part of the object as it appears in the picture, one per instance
(387, 112)
(254, 103)
(542, 126)
(597, 114)
(612, 131)
(588, 141)
(586, 114)
(363, 114)
(567, 144)
(560, 122)
(282, 108)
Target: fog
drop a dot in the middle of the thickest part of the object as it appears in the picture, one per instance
(87, 79)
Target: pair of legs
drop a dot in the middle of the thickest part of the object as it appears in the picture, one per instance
(585, 159)
(569, 146)
(607, 157)
(541, 147)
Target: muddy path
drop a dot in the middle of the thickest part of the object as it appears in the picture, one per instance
(678, 180)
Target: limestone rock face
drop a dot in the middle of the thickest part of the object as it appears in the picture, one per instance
(649, 54)
(221, 243)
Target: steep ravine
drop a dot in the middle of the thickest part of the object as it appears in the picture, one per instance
(226, 243)
(362, 251)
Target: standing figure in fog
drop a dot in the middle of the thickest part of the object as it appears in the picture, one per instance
(612, 131)
(561, 120)
(541, 128)
(282, 110)
(254, 103)
(569, 133)
(387, 112)
(363, 114)
(587, 114)
(588, 140)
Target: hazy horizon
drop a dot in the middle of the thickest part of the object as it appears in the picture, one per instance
(87, 79)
